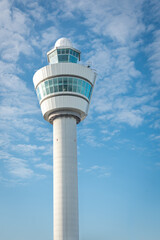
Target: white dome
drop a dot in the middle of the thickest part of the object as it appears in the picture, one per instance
(63, 42)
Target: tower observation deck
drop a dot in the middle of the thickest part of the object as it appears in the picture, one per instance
(64, 89)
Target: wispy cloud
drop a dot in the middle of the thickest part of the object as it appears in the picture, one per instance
(100, 171)
(155, 137)
(158, 164)
(154, 57)
(122, 22)
(14, 29)
(88, 135)
(27, 148)
(19, 168)
(44, 166)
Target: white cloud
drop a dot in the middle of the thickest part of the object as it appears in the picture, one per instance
(154, 8)
(44, 134)
(155, 137)
(44, 166)
(122, 22)
(14, 28)
(37, 12)
(89, 136)
(49, 36)
(18, 167)
(108, 134)
(27, 149)
(154, 57)
(156, 124)
(123, 28)
(133, 118)
(100, 171)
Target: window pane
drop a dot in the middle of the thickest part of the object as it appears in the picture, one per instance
(70, 88)
(50, 82)
(55, 88)
(51, 89)
(79, 82)
(86, 89)
(70, 80)
(74, 81)
(63, 58)
(38, 94)
(47, 90)
(82, 90)
(79, 89)
(46, 83)
(65, 88)
(72, 59)
(64, 80)
(71, 52)
(43, 90)
(74, 88)
(90, 93)
(59, 81)
(59, 51)
(67, 51)
(60, 88)
(55, 81)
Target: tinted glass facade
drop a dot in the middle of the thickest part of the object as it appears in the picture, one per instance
(64, 55)
(64, 84)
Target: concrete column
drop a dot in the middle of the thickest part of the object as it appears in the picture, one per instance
(65, 179)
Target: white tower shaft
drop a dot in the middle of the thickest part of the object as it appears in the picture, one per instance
(65, 179)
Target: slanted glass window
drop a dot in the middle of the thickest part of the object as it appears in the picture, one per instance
(63, 55)
(55, 81)
(46, 83)
(71, 51)
(72, 59)
(70, 80)
(79, 82)
(64, 84)
(63, 58)
(51, 82)
(69, 88)
(51, 89)
(38, 94)
(75, 81)
(55, 88)
(64, 81)
(47, 90)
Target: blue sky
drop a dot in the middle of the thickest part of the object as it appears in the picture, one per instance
(119, 141)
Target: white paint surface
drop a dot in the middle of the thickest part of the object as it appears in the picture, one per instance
(65, 179)
(60, 69)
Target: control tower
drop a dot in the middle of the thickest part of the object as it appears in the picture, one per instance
(64, 89)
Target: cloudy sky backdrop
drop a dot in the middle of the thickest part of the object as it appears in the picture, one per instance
(118, 143)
